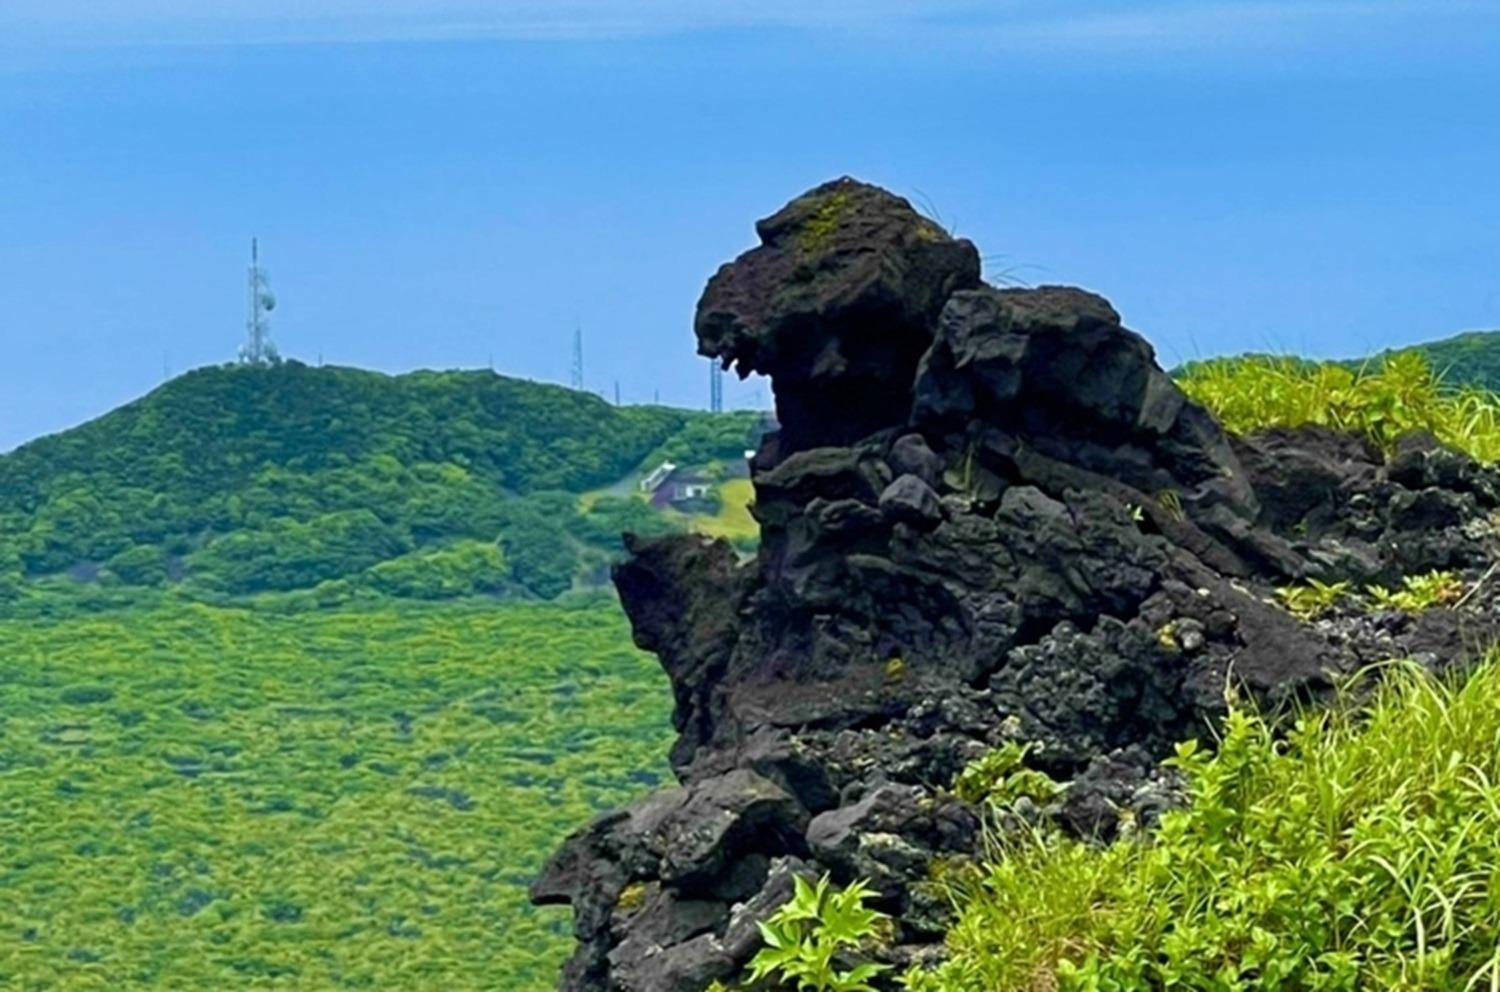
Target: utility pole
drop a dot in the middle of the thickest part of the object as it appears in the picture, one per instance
(617, 392)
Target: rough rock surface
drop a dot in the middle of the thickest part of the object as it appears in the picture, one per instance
(988, 516)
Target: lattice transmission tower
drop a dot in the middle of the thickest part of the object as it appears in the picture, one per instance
(715, 386)
(258, 349)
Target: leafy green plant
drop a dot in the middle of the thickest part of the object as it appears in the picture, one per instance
(1001, 777)
(1355, 851)
(1419, 592)
(805, 938)
(1310, 601)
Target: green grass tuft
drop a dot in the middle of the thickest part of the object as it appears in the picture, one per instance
(1400, 395)
(1360, 851)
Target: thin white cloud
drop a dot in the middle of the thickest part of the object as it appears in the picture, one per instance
(258, 21)
(1244, 23)
(1017, 24)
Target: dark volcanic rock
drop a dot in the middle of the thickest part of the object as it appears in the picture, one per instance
(836, 305)
(989, 516)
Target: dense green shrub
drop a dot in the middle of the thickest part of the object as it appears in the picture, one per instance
(139, 565)
(1357, 852)
(287, 554)
(542, 556)
(724, 438)
(463, 569)
(611, 516)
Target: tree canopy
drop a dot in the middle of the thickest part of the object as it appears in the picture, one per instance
(238, 480)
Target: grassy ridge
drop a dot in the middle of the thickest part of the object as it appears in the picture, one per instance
(202, 798)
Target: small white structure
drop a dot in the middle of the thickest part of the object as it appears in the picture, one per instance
(653, 480)
(689, 489)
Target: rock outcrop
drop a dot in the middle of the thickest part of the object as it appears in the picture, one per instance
(988, 516)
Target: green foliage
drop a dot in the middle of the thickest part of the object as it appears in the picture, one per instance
(607, 518)
(139, 565)
(536, 542)
(1307, 602)
(722, 438)
(288, 554)
(1419, 593)
(242, 480)
(202, 799)
(1001, 777)
(1382, 401)
(805, 936)
(1356, 852)
(467, 568)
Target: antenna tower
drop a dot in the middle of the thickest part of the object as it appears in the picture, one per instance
(715, 386)
(258, 349)
(578, 357)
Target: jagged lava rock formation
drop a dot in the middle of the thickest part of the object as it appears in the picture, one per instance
(988, 516)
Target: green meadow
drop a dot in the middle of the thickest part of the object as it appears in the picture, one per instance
(196, 797)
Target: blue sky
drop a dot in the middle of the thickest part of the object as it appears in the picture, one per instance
(439, 182)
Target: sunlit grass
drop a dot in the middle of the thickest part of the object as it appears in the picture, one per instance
(1360, 851)
(199, 799)
(733, 521)
(1400, 394)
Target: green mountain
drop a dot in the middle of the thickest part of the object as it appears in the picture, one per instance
(239, 480)
(1468, 359)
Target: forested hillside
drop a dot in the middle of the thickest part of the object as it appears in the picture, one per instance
(241, 480)
(1469, 359)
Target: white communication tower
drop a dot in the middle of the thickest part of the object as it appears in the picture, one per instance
(258, 349)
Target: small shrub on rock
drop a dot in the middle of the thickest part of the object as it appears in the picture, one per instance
(1419, 593)
(806, 939)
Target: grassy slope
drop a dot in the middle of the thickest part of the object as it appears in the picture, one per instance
(733, 522)
(200, 798)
